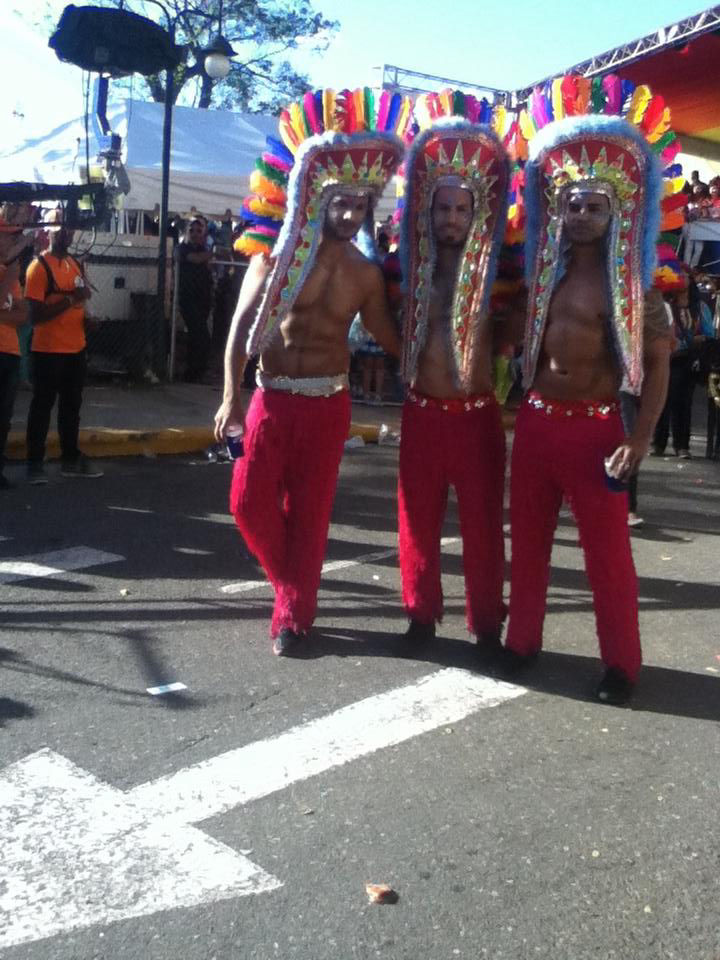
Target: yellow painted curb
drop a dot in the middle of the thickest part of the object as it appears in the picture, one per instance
(107, 442)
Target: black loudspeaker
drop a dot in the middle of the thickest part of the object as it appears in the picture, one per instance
(114, 42)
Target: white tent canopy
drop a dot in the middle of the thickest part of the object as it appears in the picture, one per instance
(213, 154)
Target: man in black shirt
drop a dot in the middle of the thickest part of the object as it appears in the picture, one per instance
(195, 297)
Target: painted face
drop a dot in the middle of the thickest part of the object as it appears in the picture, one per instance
(587, 216)
(452, 213)
(345, 214)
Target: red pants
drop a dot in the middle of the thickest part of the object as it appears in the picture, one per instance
(282, 493)
(556, 456)
(465, 449)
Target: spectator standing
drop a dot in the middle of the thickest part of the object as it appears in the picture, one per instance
(195, 297)
(13, 314)
(56, 291)
(677, 412)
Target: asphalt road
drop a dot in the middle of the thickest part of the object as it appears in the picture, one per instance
(543, 826)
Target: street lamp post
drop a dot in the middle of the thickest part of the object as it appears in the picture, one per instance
(216, 63)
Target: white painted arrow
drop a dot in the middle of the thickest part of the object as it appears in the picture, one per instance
(78, 852)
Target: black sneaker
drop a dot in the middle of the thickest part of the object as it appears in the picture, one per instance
(614, 688)
(82, 467)
(36, 473)
(286, 643)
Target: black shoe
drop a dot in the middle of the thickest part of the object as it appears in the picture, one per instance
(489, 641)
(419, 633)
(614, 688)
(5, 484)
(512, 664)
(36, 474)
(286, 643)
(82, 467)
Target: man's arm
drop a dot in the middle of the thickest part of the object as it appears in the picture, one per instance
(656, 372)
(231, 409)
(41, 312)
(375, 315)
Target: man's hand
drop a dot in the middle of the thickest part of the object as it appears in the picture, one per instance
(80, 294)
(231, 410)
(627, 458)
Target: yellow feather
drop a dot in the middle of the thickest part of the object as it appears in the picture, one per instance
(557, 100)
(446, 102)
(527, 127)
(661, 127)
(499, 120)
(329, 109)
(403, 117)
(638, 105)
(288, 136)
(298, 121)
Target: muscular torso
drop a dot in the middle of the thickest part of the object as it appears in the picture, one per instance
(313, 338)
(435, 372)
(577, 358)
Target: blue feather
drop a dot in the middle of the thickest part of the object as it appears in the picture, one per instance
(393, 112)
(279, 150)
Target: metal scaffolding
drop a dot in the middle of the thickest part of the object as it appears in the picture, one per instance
(412, 82)
(400, 80)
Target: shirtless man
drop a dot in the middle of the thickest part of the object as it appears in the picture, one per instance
(451, 429)
(569, 441)
(295, 428)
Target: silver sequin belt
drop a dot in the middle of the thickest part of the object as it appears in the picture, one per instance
(304, 386)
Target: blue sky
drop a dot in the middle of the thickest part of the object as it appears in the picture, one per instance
(506, 45)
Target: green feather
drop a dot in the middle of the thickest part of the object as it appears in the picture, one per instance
(459, 103)
(370, 116)
(598, 97)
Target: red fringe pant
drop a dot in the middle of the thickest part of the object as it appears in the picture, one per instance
(283, 490)
(554, 456)
(465, 449)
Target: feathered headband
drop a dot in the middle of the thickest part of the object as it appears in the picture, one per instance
(330, 143)
(463, 150)
(619, 149)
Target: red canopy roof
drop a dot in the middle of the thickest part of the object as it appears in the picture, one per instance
(688, 77)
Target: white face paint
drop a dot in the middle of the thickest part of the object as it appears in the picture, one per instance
(345, 214)
(587, 216)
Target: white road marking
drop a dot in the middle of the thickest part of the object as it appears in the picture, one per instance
(166, 688)
(131, 509)
(246, 585)
(78, 852)
(54, 562)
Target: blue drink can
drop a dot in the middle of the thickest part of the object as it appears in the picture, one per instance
(234, 442)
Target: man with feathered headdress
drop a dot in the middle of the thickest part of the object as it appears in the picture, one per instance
(303, 287)
(455, 204)
(593, 188)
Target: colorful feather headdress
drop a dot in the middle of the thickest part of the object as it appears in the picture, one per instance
(457, 145)
(330, 143)
(607, 136)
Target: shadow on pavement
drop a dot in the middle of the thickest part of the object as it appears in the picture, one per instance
(14, 710)
(660, 689)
